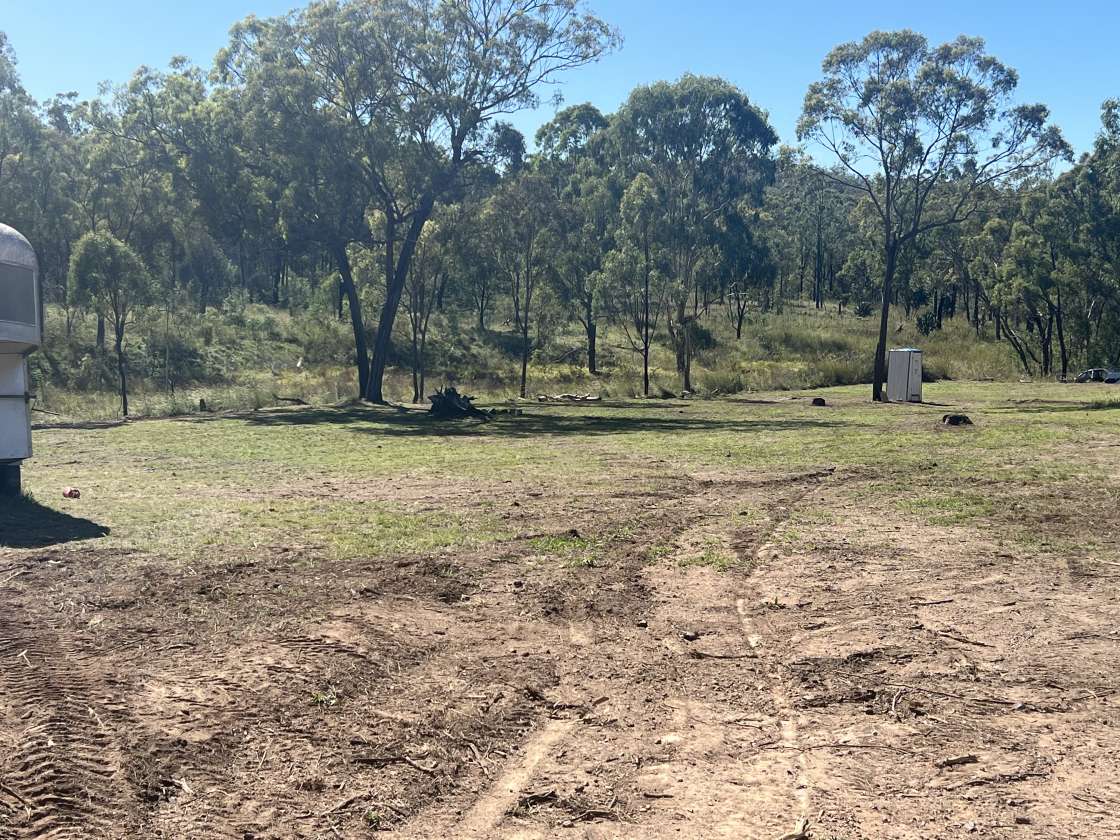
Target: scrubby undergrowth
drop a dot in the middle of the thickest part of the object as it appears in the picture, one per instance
(250, 356)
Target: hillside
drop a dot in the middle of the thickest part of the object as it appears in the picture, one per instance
(248, 356)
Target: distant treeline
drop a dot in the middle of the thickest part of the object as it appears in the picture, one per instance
(352, 158)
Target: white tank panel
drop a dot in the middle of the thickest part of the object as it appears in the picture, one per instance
(15, 412)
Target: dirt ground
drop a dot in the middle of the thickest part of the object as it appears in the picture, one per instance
(672, 650)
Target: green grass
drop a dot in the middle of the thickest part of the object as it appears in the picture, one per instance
(712, 556)
(949, 509)
(360, 482)
(572, 550)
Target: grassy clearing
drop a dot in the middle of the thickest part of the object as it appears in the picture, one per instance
(359, 482)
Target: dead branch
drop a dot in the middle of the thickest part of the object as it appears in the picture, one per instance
(385, 761)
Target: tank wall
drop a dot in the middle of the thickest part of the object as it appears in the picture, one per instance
(15, 413)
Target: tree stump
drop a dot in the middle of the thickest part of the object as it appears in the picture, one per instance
(956, 420)
(449, 404)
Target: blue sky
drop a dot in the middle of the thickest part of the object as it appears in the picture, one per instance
(1065, 52)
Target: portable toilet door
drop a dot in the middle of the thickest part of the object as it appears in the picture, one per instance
(904, 375)
(21, 333)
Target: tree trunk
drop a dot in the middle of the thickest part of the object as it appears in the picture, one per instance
(884, 318)
(122, 370)
(384, 341)
(687, 356)
(1061, 333)
(423, 344)
(351, 292)
(1015, 342)
(101, 333)
(976, 308)
(415, 371)
(592, 334)
(645, 317)
(524, 355)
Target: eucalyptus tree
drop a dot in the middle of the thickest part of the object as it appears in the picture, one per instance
(426, 278)
(109, 277)
(586, 209)
(19, 126)
(808, 224)
(411, 89)
(706, 149)
(519, 219)
(634, 270)
(748, 264)
(1088, 198)
(904, 120)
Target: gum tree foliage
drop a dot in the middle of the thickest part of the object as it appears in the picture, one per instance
(402, 96)
(571, 157)
(1087, 199)
(519, 225)
(107, 276)
(634, 270)
(904, 120)
(706, 149)
(426, 278)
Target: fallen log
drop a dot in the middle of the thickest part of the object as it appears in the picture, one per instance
(568, 398)
(292, 400)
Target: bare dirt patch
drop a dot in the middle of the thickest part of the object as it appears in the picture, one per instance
(664, 648)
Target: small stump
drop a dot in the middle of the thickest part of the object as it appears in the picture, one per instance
(449, 404)
(956, 420)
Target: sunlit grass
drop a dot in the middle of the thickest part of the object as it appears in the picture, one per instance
(339, 483)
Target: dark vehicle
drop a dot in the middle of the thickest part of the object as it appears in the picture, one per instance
(1111, 377)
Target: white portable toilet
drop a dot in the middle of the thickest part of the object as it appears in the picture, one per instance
(904, 375)
(21, 333)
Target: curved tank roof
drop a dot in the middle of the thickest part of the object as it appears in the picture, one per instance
(15, 249)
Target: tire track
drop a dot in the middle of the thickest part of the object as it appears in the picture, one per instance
(788, 730)
(61, 779)
(486, 815)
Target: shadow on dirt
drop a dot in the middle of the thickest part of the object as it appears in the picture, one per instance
(557, 420)
(24, 523)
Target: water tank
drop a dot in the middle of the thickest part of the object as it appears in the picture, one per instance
(21, 332)
(904, 375)
(21, 304)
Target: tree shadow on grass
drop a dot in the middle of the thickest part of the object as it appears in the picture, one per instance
(556, 421)
(1060, 406)
(24, 523)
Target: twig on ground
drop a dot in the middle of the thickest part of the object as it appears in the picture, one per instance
(774, 745)
(385, 761)
(957, 761)
(345, 803)
(15, 793)
(800, 831)
(989, 700)
(699, 654)
(995, 779)
(894, 703)
(958, 638)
